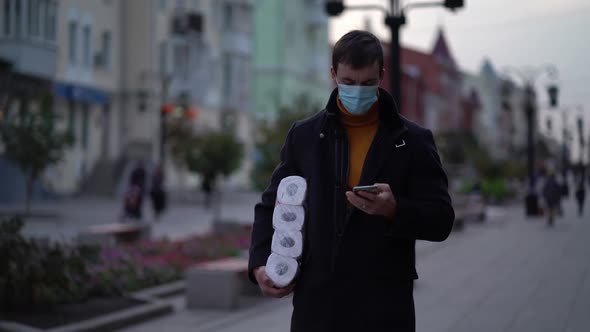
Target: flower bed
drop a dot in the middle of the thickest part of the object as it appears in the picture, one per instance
(39, 276)
(149, 263)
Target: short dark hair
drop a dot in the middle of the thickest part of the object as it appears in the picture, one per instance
(358, 49)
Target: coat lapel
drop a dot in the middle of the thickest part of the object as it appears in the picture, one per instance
(386, 140)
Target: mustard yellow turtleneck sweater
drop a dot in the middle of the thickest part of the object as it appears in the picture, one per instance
(360, 130)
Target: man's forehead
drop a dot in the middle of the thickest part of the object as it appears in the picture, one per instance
(344, 68)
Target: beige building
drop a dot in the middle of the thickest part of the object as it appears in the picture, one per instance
(118, 62)
(87, 88)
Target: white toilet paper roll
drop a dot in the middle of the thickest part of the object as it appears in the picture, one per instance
(288, 217)
(281, 270)
(292, 190)
(287, 243)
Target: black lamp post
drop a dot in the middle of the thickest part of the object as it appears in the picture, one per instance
(582, 147)
(528, 76)
(564, 153)
(394, 19)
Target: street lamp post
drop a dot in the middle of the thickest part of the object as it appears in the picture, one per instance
(564, 152)
(528, 76)
(394, 19)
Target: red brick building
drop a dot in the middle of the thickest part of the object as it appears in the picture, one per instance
(431, 87)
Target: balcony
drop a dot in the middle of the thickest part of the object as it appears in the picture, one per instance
(29, 57)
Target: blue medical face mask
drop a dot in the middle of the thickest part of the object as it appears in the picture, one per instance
(357, 99)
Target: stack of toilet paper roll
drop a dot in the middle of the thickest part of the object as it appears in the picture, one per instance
(287, 241)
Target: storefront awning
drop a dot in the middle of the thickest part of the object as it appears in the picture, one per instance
(81, 94)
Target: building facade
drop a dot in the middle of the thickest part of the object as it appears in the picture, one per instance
(431, 86)
(28, 51)
(112, 65)
(87, 86)
(292, 54)
(500, 122)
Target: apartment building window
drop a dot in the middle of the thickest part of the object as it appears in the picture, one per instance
(86, 45)
(33, 18)
(181, 58)
(106, 49)
(85, 123)
(181, 4)
(227, 76)
(50, 20)
(71, 119)
(17, 19)
(164, 57)
(73, 41)
(228, 16)
(6, 17)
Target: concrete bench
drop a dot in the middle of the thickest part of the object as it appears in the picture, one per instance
(218, 284)
(115, 233)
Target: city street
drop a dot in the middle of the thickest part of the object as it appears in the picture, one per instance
(508, 274)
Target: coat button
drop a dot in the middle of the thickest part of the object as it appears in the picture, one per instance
(322, 135)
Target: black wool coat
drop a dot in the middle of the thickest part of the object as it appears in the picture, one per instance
(357, 270)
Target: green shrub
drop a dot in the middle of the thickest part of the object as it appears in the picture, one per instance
(37, 274)
(495, 189)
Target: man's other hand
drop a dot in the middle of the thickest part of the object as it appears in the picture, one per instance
(267, 287)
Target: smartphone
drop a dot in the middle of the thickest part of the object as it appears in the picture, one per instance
(371, 189)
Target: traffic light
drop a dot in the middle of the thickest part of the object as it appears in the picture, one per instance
(334, 7)
(453, 4)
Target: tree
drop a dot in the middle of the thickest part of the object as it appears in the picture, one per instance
(209, 154)
(31, 141)
(272, 135)
(214, 154)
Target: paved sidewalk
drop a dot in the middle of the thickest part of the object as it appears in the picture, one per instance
(508, 274)
(71, 216)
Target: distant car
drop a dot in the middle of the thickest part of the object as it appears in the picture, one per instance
(468, 207)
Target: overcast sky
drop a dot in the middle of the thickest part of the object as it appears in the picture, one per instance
(509, 32)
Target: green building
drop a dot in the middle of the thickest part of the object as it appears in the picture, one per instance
(292, 54)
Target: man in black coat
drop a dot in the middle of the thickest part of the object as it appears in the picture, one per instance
(358, 264)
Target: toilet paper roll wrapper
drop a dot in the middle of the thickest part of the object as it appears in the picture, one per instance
(281, 270)
(287, 243)
(288, 217)
(292, 190)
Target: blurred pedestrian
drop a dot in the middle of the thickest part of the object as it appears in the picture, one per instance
(580, 196)
(138, 176)
(133, 200)
(157, 192)
(207, 188)
(375, 185)
(132, 203)
(552, 194)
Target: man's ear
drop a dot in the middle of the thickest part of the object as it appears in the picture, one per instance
(381, 75)
(333, 73)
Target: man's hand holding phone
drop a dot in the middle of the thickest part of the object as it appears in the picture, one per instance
(377, 199)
